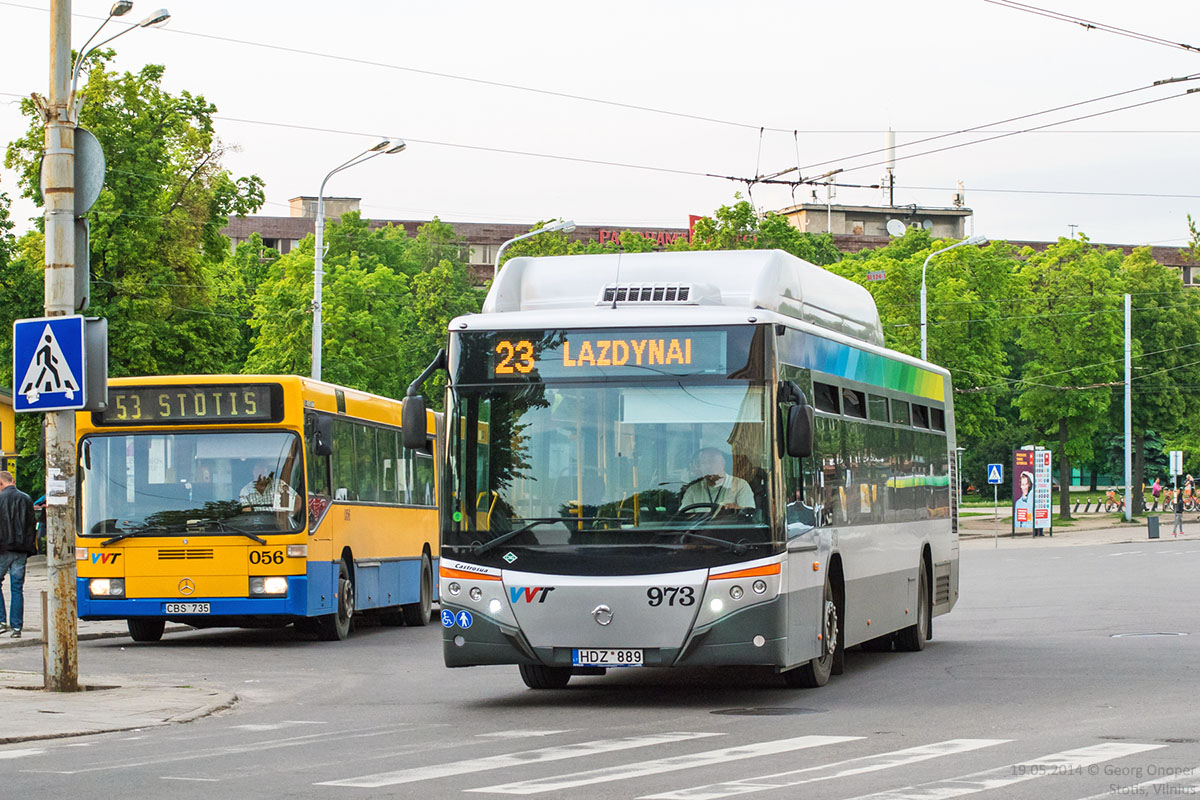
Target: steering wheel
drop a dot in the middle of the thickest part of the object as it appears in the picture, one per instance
(711, 509)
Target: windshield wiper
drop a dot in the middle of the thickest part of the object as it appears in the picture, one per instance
(530, 524)
(737, 548)
(226, 527)
(132, 533)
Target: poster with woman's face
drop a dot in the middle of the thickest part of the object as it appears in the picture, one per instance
(1023, 489)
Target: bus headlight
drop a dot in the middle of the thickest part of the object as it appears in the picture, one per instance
(297, 551)
(476, 593)
(454, 588)
(267, 586)
(736, 592)
(107, 587)
(495, 606)
(759, 586)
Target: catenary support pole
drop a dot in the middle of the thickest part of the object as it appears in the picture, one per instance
(58, 182)
(1128, 416)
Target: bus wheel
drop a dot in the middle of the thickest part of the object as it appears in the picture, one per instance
(817, 671)
(912, 639)
(537, 676)
(146, 630)
(417, 614)
(336, 627)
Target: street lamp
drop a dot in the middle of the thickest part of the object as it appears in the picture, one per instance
(972, 240)
(565, 225)
(385, 147)
(119, 9)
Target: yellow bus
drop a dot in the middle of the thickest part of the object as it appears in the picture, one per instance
(253, 501)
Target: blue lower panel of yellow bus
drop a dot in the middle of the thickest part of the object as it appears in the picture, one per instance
(381, 583)
(293, 604)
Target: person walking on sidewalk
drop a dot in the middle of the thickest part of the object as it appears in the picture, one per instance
(18, 541)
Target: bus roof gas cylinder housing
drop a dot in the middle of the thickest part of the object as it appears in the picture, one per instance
(752, 279)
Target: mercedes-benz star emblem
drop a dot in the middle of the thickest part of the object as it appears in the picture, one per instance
(186, 586)
(602, 614)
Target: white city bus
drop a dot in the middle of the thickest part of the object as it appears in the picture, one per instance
(684, 459)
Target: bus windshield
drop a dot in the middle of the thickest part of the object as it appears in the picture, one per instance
(249, 482)
(617, 477)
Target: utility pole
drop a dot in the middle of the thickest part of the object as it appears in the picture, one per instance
(58, 192)
(1128, 413)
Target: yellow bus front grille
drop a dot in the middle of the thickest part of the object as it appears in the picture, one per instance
(185, 553)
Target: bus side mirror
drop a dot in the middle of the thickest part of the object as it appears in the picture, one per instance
(319, 428)
(412, 422)
(799, 431)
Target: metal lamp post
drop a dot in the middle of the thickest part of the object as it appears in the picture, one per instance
(566, 226)
(386, 147)
(972, 240)
(119, 9)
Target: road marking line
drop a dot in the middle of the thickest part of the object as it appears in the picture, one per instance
(518, 734)
(200, 780)
(287, 723)
(240, 749)
(29, 751)
(825, 772)
(1060, 763)
(657, 766)
(514, 759)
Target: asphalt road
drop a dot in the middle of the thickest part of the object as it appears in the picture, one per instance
(1051, 679)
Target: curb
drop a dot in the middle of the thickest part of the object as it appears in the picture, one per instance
(227, 703)
(82, 637)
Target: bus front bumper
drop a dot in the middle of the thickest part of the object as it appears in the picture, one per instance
(747, 637)
(293, 604)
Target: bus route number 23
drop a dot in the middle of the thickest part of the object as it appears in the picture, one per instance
(671, 595)
(514, 357)
(266, 556)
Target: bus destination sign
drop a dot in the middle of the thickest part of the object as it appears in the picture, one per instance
(599, 353)
(189, 405)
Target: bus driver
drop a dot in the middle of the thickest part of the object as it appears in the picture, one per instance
(715, 486)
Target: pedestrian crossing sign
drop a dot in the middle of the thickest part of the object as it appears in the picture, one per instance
(48, 364)
(995, 473)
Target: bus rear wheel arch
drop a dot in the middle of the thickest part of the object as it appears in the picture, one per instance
(419, 613)
(912, 639)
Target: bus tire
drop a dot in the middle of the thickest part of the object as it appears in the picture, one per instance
(335, 627)
(537, 676)
(417, 614)
(912, 639)
(146, 630)
(817, 671)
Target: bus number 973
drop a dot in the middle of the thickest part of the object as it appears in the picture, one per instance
(671, 595)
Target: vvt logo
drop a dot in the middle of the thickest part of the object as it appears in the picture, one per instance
(529, 593)
(105, 558)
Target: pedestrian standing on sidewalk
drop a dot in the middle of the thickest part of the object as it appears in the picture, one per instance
(18, 541)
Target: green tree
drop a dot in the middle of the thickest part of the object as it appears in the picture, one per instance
(156, 243)
(1071, 330)
(968, 292)
(386, 304)
(739, 227)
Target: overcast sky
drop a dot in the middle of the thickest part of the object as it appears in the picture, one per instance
(826, 80)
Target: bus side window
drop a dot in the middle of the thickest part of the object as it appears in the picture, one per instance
(423, 490)
(343, 461)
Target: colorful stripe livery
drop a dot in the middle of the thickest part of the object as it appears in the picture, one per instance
(834, 358)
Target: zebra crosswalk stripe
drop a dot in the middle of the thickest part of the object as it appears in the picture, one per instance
(524, 758)
(1058, 763)
(826, 772)
(657, 766)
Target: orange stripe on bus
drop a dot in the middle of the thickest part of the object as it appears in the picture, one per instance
(447, 572)
(754, 572)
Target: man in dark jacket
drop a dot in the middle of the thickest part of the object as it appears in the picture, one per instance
(18, 541)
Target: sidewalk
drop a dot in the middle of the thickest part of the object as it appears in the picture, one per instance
(1084, 529)
(29, 713)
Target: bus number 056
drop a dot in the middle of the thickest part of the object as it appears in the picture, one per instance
(672, 595)
(266, 556)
